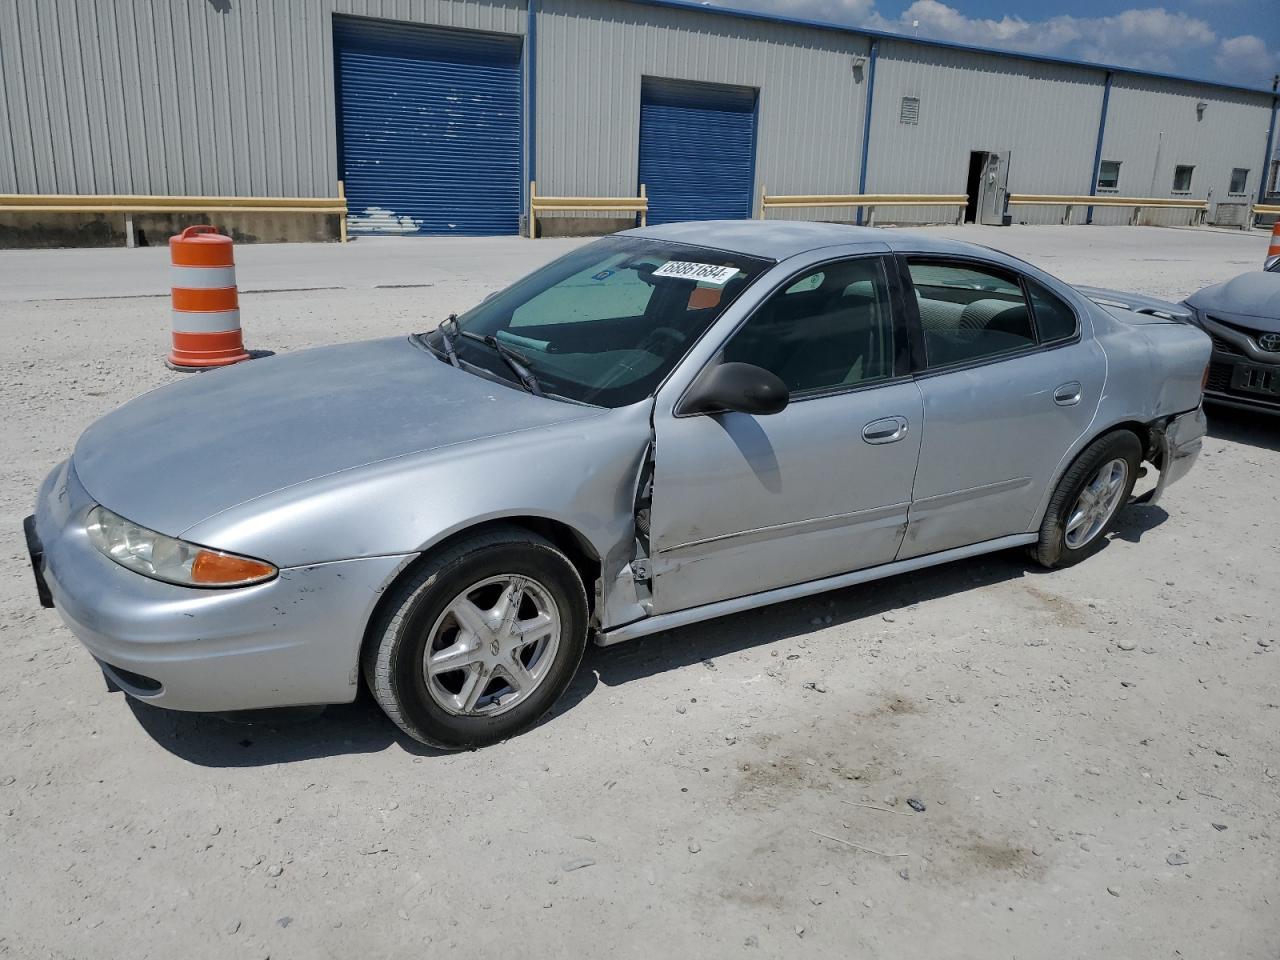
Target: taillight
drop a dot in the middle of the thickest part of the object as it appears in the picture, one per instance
(1204, 380)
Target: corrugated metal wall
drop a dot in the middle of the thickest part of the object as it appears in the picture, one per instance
(592, 55)
(237, 97)
(1045, 114)
(226, 97)
(1152, 126)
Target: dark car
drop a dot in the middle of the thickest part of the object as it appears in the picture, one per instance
(1243, 318)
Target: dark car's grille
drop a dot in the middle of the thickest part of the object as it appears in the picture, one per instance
(1219, 382)
(1222, 346)
(1225, 346)
(1219, 377)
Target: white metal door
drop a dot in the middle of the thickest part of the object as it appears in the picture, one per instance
(992, 188)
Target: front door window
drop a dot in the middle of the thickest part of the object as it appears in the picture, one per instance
(830, 329)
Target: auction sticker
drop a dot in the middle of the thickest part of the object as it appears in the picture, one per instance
(702, 272)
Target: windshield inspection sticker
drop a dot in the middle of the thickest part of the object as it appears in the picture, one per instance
(702, 272)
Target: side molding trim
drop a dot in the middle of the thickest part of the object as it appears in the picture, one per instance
(709, 611)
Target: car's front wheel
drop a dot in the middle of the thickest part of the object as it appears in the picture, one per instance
(479, 641)
(1088, 498)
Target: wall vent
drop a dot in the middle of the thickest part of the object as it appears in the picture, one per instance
(910, 112)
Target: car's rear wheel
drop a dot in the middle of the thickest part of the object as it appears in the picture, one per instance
(1087, 500)
(479, 641)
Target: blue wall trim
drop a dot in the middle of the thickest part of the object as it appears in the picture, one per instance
(1266, 160)
(866, 122)
(1097, 150)
(531, 114)
(947, 44)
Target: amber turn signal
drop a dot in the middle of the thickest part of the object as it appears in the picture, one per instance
(214, 569)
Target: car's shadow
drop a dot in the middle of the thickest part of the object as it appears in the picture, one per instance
(288, 736)
(1136, 520)
(706, 641)
(1244, 426)
(267, 737)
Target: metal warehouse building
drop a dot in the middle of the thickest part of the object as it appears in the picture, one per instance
(437, 114)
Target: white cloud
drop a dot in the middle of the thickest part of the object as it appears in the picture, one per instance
(855, 12)
(1150, 37)
(1247, 58)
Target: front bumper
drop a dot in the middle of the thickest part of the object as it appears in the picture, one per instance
(1227, 387)
(1241, 373)
(294, 640)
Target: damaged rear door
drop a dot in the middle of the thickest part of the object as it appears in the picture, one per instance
(745, 503)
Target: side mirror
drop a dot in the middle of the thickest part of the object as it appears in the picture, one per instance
(740, 387)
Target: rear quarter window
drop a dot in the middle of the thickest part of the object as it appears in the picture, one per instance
(1055, 320)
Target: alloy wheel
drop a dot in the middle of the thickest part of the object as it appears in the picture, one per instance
(1097, 503)
(492, 646)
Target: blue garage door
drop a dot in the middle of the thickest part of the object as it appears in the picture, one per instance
(428, 128)
(697, 150)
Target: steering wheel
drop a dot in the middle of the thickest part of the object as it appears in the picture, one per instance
(669, 334)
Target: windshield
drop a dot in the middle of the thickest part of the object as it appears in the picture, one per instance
(604, 324)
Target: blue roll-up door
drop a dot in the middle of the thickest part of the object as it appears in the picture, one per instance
(428, 128)
(697, 150)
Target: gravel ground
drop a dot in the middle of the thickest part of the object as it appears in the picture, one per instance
(981, 760)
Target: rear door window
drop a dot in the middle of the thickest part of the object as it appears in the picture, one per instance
(969, 312)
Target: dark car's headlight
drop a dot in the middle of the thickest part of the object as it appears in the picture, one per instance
(166, 558)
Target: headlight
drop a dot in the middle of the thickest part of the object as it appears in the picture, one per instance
(173, 561)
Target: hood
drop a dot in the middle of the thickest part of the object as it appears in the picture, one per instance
(184, 452)
(1252, 298)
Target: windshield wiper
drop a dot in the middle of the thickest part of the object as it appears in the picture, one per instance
(518, 364)
(447, 341)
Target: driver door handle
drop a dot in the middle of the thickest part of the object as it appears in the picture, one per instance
(1068, 394)
(885, 430)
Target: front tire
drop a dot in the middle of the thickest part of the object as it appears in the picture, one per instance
(479, 641)
(1088, 499)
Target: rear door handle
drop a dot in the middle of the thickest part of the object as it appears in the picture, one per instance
(886, 430)
(1067, 395)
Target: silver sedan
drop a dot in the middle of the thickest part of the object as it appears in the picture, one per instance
(660, 427)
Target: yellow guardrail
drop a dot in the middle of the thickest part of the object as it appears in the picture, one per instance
(868, 201)
(1267, 209)
(130, 204)
(538, 205)
(1107, 200)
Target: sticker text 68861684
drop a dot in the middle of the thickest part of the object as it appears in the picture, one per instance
(701, 272)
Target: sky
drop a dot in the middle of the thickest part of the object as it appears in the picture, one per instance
(1233, 41)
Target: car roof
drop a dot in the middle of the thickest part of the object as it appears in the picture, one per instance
(780, 239)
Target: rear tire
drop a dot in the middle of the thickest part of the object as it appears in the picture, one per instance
(479, 641)
(1088, 499)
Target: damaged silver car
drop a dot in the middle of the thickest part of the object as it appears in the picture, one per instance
(660, 427)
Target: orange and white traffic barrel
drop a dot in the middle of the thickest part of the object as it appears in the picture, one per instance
(206, 307)
(1273, 252)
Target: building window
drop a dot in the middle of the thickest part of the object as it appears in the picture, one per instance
(1109, 175)
(910, 110)
(1239, 181)
(1182, 178)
